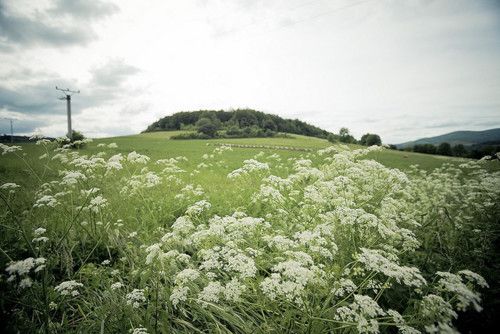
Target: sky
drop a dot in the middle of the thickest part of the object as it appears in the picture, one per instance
(401, 69)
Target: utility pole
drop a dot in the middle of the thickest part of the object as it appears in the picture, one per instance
(11, 128)
(67, 97)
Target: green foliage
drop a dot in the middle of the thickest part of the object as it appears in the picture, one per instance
(78, 141)
(370, 139)
(425, 148)
(345, 136)
(191, 135)
(77, 135)
(459, 150)
(333, 138)
(242, 119)
(207, 127)
(444, 149)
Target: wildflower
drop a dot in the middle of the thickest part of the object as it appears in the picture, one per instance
(117, 285)
(139, 330)
(97, 203)
(179, 294)
(186, 276)
(136, 298)
(343, 287)
(9, 149)
(9, 186)
(454, 284)
(198, 207)
(38, 234)
(69, 288)
(154, 251)
(25, 283)
(473, 277)
(211, 293)
(23, 267)
(374, 260)
(233, 290)
(362, 311)
(46, 200)
(72, 177)
(135, 157)
(249, 166)
(39, 231)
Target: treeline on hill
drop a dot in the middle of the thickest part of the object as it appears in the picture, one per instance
(477, 151)
(238, 123)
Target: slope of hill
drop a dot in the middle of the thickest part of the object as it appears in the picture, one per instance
(458, 137)
(239, 120)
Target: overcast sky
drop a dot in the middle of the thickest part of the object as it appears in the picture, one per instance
(402, 69)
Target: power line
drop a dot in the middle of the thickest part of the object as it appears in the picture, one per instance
(328, 12)
(313, 17)
(242, 27)
(67, 92)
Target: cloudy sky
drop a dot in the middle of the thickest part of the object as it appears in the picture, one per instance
(402, 69)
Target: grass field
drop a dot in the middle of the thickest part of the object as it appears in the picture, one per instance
(269, 235)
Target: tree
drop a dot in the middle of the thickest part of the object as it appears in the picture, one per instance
(332, 138)
(425, 148)
(268, 124)
(244, 118)
(370, 139)
(459, 150)
(444, 149)
(345, 136)
(207, 127)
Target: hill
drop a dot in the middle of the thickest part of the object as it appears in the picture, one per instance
(468, 138)
(237, 123)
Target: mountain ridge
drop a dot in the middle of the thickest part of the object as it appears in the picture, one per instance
(465, 137)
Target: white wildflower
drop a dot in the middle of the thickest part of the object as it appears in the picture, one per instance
(69, 288)
(136, 298)
(117, 285)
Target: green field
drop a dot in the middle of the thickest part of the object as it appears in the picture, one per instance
(253, 235)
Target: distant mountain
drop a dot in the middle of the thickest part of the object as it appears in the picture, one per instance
(467, 138)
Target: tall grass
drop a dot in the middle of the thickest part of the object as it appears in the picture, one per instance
(325, 241)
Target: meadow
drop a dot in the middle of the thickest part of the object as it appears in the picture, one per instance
(143, 234)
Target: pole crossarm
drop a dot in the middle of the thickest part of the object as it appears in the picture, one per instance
(67, 90)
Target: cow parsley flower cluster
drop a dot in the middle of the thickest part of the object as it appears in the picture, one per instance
(69, 288)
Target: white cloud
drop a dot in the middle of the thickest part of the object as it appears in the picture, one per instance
(401, 69)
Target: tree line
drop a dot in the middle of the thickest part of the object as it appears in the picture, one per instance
(235, 123)
(344, 136)
(459, 150)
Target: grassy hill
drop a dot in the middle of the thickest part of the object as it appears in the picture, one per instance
(239, 123)
(458, 137)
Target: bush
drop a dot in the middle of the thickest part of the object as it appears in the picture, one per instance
(207, 127)
(78, 141)
(191, 135)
